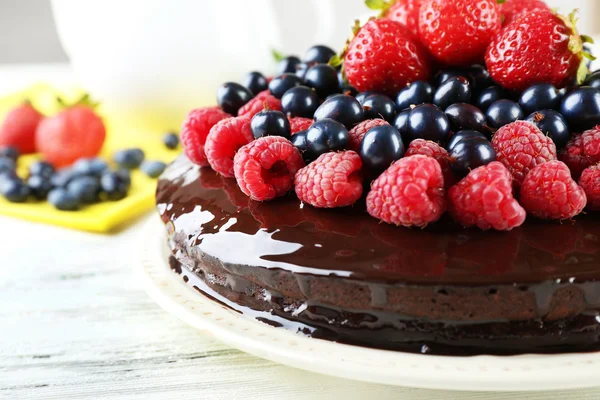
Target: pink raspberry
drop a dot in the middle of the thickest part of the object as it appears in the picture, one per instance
(409, 193)
(549, 192)
(432, 149)
(590, 182)
(224, 140)
(521, 146)
(265, 168)
(332, 180)
(358, 132)
(582, 151)
(298, 124)
(195, 129)
(261, 101)
(484, 199)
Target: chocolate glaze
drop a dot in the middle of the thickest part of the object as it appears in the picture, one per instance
(342, 275)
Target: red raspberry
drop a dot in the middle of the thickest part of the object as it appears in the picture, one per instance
(261, 101)
(265, 168)
(224, 140)
(582, 151)
(298, 124)
(521, 146)
(194, 131)
(409, 193)
(590, 182)
(484, 199)
(549, 192)
(18, 128)
(432, 149)
(332, 180)
(358, 132)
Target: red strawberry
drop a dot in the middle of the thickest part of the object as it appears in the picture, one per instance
(405, 12)
(384, 57)
(512, 9)
(537, 47)
(458, 32)
(77, 132)
(18, 128)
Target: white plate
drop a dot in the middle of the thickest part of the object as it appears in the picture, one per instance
(487, 373)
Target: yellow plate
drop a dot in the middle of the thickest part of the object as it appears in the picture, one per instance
(101, 217)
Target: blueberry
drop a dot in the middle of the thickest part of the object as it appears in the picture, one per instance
(541, 96)
(15, 191)
(380, 147)
(363, 95)
(6, 176)
(232, 96)
(114, 185)
(465, 116)
(443, 75)
(418, 92)
(318, 54)
(125, 175)
(324, 79)
(461, 135)
(379, 106)
(90, 166)
(456, 89)
(552, 124)
(281, 84)
(581, 108)
(62, 177)
(427, 122)
(85, 189)
(41, 168)
(170, 140)
(488, 96)
(470, 153)
(39, 186)
(153, 169)
(288, 65)
(7, 164)
(401, 123)
(503, 112)
(480, 78)
(61, 199)
(255, 82)
(129, 158)
(299, 141)
(324, 136)
(593, 80)
(300, 101)
(9, 152)
(270, 123)
(342, 108)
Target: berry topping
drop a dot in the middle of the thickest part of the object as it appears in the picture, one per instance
(63, 200)
(84, 188)
(300, 101)
(265, 169)
(342, 108)
(386, 69)
(153, 169)
(170, 140)
(115, 185)
(14, 190)
(281, 84)
(298, 124)
(541, 96)
(549, 192)
(553, 125)
(470, 152)
(195, 129)
(129, 158)
(88, 166)
(263, 100)
(503, 112)
(232, 96)
(43, 168)
(224, 140)
(358, 132)
(332, 180)
(416, 93)
(325, 136)
(453, 90)
(409, 193)
(488, 96)
(590, 183)
(432, 149)
(484, 199)
(581, 108)
(380, 147)
(318, 54)
(465, 116)
(521, 146)
(323, 78)
(582, 151)
(461, 135)
(428, 122)
(379, 106)
(255, 82)
(270, 123)
(39, 186)
(18, 128)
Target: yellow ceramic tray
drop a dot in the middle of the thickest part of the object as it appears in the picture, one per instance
(101, 217)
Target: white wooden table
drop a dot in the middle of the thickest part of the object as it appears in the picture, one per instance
(75, 324)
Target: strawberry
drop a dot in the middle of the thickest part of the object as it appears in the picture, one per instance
(511, 9)
(458, 32)
(538, 47)
(18, 128)
(77, 132)
(405, 12)
(384, 57)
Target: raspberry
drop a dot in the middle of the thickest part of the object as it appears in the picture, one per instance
(298, 124)
(582, 151)
(194, 131)
(590, 182)
(484, 199)
(432, 149)
(265, 169)
(261, 101)
(358, 132)
(409, 193)
(224, 140)
(549, 192)
(332, 180)
(521, 146)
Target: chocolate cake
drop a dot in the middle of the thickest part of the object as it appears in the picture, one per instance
(341, 275)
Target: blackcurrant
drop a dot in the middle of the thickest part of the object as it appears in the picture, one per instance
(324, 136)
(428, 122)
(503, 112)
(232, 96)
(541, 96)
(282, 83)
(379, 106)
(381, 146)
(300, 101)
(255, 82)
(343, 108)
(552, 124)
(416, 93)
(270, 123)
(456, 89)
